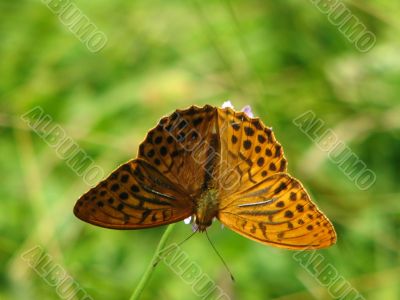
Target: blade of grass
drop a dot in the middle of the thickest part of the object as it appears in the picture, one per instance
(151, 267)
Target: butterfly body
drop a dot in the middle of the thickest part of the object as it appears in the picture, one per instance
(211, 163)
(206, 209)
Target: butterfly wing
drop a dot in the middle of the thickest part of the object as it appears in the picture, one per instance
(265, 203)
(135, 196)
(159, 186)
(249, 152)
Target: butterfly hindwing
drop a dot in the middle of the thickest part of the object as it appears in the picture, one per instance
(134, 196)
(278, 211)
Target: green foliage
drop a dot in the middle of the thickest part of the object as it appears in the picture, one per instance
(283, 58)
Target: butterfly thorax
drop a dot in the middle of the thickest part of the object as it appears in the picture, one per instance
(206, 209)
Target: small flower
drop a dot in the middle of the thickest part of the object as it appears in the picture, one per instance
(191, 220)
(194, 227)
(247, 111)
(227, 103)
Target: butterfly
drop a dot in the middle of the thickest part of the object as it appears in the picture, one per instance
(209, 162)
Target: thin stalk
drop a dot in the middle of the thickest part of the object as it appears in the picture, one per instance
(152, 265)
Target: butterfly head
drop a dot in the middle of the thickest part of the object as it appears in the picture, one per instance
(206, 209)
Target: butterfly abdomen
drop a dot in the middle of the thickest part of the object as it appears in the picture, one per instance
(206, 209)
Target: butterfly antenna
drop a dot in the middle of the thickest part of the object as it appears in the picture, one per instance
(179, 244)
(190, 235)
(219, 255)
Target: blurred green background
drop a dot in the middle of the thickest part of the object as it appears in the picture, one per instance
(283, 58)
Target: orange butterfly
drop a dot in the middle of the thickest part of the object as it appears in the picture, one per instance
(210, 162)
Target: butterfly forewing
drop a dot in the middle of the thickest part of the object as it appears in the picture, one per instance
(180, 146)
(134, 196)
(248, 150)
(278, 211)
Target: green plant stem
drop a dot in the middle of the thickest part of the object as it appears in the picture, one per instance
(151, 267)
